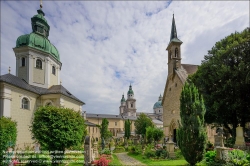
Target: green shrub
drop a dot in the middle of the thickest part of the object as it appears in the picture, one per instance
(238, 157)
(161, 153)
(8, 134)
(178, 154)
(105, 151)
(149, 154)
(135, 150)
(119, 149)
(210, 156)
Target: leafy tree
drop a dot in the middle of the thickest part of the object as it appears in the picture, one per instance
(105, 133)
(157, 134)
(223, 79)
(154, 134)
(127, 128)
(57, 129)
(191, 134)
(149, 134)
(8, 134)
(141, 123)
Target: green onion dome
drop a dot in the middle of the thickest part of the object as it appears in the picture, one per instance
(38, 39)
(130, 91)
(123, 99)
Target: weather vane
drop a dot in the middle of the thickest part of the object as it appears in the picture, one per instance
(41, 6)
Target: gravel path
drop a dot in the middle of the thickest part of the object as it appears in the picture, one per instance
(127, 160)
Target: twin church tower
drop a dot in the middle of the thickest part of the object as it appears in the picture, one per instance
(128, 107)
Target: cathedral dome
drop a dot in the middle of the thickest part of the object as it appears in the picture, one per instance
(157, 105)
(39, 42)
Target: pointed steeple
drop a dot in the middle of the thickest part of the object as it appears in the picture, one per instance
(173, 30)
(173, 35)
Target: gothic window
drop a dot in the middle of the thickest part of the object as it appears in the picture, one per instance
(23, 61)
(25, 103)
(176, 52)
(53, 70)
(38, 64)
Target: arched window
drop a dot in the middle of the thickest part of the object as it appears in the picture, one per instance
(38, 64)
(53, 70)
(176, 52)
(23, 61)
(131, 105)
(25, 103)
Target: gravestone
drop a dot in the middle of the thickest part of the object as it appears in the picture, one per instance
(221, 151)
(170, 147)
(240, 141)
(37, 148)
(87, 154)
(217, 138)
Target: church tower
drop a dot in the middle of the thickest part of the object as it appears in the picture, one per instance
(37, 59)
(128, 107)
(174, 50)
(123, 105)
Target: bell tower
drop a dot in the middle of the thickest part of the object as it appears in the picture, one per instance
(174, 50)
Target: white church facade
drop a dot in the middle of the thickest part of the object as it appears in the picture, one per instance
(37, 80)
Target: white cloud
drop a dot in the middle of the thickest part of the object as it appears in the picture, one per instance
(106, 45)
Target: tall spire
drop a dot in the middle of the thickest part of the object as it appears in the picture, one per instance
(173, 30)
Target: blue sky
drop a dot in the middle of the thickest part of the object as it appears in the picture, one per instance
(104, 46)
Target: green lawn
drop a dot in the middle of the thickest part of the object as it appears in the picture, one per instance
(115, 161)
(179, 162)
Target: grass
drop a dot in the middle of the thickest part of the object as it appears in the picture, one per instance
(178, 162)
(115, 160)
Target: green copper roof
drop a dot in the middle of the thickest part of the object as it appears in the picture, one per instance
(39, 42)
(173, 36)
(38, 39)
(157, 105)
(123, 99)
(130, 91)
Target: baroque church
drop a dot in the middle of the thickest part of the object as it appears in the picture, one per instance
(37, 80)
(177, 76)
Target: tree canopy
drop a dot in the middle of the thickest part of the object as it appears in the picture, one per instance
(58, 128)
(105, 133)
(127, 128)
(191, 134)
(154, 134)
(8, 134)
(224, 81)
(141, 123)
